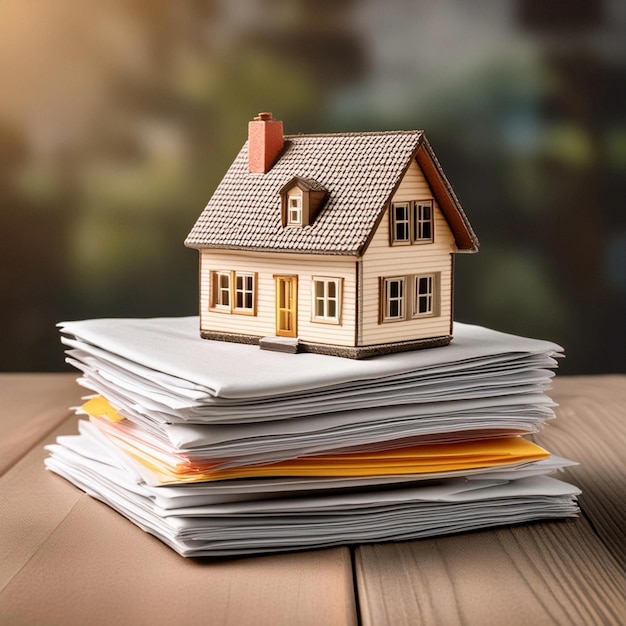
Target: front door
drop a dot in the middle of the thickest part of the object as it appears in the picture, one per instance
(286, 305)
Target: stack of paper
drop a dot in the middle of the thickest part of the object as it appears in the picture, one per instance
(222, 449)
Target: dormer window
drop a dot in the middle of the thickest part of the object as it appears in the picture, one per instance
(294, 211)
(301, 201)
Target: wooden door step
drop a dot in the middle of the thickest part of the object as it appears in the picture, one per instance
(279, 344)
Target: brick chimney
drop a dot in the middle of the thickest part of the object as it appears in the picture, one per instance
(265, 142)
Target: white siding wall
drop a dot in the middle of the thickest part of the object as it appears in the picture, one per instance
(383, 260)
(267, 265)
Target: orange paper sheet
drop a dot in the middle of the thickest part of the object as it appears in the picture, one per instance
(421, 459)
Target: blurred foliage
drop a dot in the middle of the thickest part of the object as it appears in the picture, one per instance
(124, 115)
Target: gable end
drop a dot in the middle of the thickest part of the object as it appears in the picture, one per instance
(465, 238)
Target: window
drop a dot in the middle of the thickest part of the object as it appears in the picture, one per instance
(401, 222)
(244, 292)
(326, 304)
(393, 299)
(233, 292)
(294, 211)
(412, 222)
(222, 300)
(423, 221)
(424, 295)
(408, 297)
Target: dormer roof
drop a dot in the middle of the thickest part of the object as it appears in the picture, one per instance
(359, 171)
(306, 184)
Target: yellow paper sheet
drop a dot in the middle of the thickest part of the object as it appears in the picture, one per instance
(419, 459)
(101, 407)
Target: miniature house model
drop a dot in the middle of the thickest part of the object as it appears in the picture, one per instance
(337, 244)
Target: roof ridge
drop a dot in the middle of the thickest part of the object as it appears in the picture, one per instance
(356, 133)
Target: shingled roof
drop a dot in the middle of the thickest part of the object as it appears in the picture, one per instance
(360, 171)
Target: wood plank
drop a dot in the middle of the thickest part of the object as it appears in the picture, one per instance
(548, 573)
(34, 503)
(569, 572)
(591, 428)
(31, 406)
(68, 559)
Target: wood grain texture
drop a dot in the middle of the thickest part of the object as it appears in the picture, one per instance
(569, 573)
(34, 503)
(31, 405)
(68, 559)
(591, 428)
(556, 573)
(98, 568)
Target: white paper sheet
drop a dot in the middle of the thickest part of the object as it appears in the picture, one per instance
(173, 346)
(206, 524)
(242, 405)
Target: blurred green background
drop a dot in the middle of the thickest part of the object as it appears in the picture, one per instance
(118, 119)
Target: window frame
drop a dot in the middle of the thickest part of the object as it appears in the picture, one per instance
(326, 280)
(419, 222)
(395, 222)
(386, 299)
(410, 298)
(244, 310)
(415, 223)
(297, 208)
(432, 295)
(217, 291)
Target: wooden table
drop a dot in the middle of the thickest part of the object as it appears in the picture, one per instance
(67, 559)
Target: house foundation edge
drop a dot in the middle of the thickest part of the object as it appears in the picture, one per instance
(351, 352)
